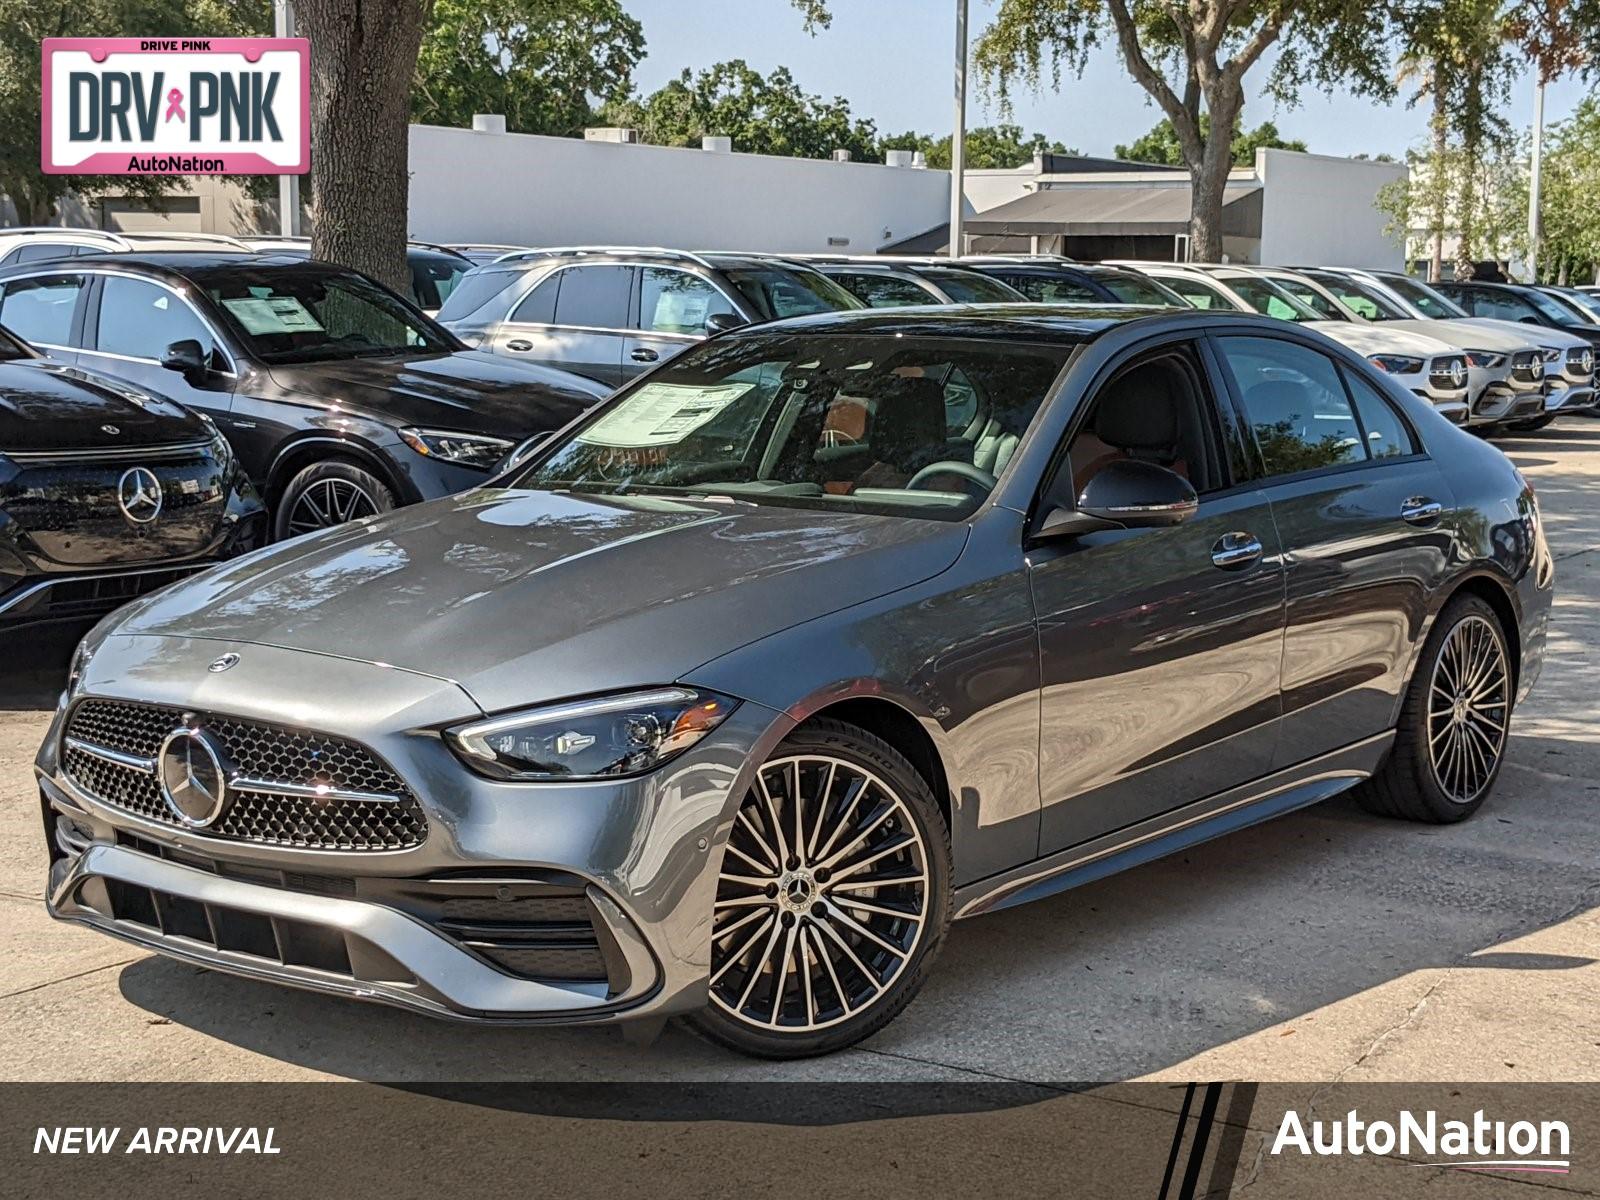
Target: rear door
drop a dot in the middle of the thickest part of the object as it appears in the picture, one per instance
(1361, 512)
(670, 311)
(575, 319)
(1161, 648)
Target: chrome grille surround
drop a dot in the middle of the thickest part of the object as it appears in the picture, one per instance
(291, 788)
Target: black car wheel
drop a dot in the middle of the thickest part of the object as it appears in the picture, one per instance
(834, 897)
(329, 493)
(1451, 740)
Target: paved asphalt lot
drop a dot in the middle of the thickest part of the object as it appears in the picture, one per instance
(1325, 946)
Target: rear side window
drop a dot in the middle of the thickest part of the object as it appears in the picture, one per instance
(594, 297)
(41, 251)
(1387, 434)
(884, 291)
(40, 310)
(1048, 290)
(538, 307)
(1296, 403)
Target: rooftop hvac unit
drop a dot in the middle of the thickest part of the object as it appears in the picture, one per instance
(612, 133)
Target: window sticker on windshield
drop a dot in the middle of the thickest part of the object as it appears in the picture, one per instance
(661, 414)
(273, 314)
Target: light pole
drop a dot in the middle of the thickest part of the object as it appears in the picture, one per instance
(1534, 227)
(958, 135)
(288, 185)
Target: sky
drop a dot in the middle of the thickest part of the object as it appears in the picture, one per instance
(892, 60)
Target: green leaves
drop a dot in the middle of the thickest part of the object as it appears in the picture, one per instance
(1160, 145)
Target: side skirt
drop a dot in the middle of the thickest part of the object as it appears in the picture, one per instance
(1272, 796)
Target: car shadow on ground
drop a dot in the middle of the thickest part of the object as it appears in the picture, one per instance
(1113, 980)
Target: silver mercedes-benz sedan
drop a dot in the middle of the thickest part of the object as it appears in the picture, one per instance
(727, 699)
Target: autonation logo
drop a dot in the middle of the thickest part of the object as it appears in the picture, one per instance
(1479, 1144)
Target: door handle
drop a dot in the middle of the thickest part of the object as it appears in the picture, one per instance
(644, 355)
(1421, 510)
(1233, 551)
(519, 344)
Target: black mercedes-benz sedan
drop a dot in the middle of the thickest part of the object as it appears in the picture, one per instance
(340, 398)
(106, 491)
(818, 637)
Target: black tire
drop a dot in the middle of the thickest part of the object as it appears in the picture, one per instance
(335, 484)
(1532, 423)
(1408, 786)
(851, 747)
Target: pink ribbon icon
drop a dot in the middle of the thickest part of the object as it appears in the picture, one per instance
(175, 105)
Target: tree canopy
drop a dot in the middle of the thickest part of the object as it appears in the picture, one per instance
(987, 146)
(542, 63)
(1160, 144)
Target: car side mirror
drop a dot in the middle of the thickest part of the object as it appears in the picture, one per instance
(1126, 494)
(721, 322)
(186, 358)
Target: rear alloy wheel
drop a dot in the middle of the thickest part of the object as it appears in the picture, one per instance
(833, 897)
(329, 493)
(1451, 741)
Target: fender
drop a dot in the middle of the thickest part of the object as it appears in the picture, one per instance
(330, 446)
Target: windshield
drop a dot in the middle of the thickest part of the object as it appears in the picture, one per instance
(910, 426)
(969, 287)
(778, 292)
(1549, 306)
(1268, 298)
(1582, 302)
(1132, 289)
(315, 313)
(1302, 291)
(1426, 300)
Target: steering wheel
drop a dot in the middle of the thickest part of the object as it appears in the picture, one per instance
(953, 466)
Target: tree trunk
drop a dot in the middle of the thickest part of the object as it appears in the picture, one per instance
(363, 61)
(1439, 125)
(1208, 178)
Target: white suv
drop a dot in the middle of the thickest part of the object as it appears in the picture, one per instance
(38, 243)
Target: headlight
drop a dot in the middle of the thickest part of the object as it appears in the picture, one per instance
(591, 739)
(1485, 358)
(462, 449)
(80, 663)
(1396, 364)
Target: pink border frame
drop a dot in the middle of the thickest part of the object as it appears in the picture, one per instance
(236, 163)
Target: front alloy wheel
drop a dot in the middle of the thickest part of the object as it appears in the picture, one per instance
(832, 900)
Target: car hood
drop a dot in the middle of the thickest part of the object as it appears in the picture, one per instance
(1382, 339)
(47, 406)
(467, 391)
(523, 597)
(1486, 333)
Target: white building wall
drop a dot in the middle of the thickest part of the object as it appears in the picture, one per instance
(1317, 210)
(523, 189)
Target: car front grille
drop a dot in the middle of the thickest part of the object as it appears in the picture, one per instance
(288, 787)
(1527, 366)
(1444, 372)
(1580, 363)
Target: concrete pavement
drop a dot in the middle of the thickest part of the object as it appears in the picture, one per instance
(1326, 946)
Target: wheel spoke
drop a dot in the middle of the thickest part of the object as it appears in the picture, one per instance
(743, 946)
(861, 834)
(772, 815)
(759, 965)
(754, 862)
(761, 842)
(862, 931)
(855, 868)
(822, 810)
(783, 974)
(805, 973)
(841, 822)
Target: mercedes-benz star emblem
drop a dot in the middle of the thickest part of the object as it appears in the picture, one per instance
(226, 662)
(111, 429)
(1458, 374)
(139, 495)
(193, 774)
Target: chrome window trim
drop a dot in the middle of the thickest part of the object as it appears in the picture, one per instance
(508, 322)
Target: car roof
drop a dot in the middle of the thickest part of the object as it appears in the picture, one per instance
(1019, 321)
(167, 262)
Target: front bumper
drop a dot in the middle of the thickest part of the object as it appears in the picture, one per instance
(1564, 397)
(638, 858)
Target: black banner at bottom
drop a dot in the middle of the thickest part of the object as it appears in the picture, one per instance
(1148, 1140)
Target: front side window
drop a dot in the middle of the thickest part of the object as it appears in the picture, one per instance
(1296, 405)
(315, 313)
(139, 320)
(1309, 296)
(40, 310)
(1200, 294)
(776, 292)
(884, 291)
(1504, 306)
(849, 423)
(673, 301)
